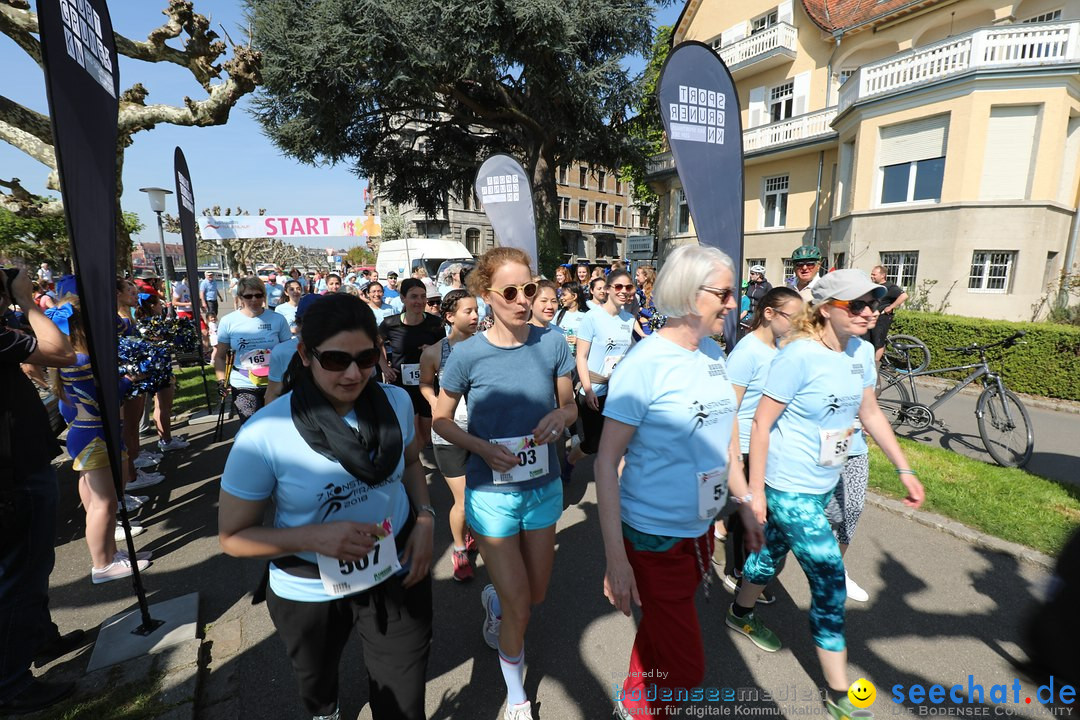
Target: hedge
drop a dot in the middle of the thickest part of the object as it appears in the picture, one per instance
(1048, 364)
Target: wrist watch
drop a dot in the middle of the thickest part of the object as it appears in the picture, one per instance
(427, 509)
(744, 500)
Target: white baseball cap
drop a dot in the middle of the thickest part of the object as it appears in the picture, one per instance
(845, 285)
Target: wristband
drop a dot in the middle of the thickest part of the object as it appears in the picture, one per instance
(905, 471)
(427, 509)
(744, 500)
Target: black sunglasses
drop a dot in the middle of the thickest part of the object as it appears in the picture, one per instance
(339, 360)
(254, 296)
(808, 263)
(510, 292)
(855, 307)
(722, 293)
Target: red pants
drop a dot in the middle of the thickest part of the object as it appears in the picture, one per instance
(668, 659)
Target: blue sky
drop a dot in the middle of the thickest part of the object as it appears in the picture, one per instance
(231, 165)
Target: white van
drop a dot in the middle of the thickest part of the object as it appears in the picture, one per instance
(403, 256)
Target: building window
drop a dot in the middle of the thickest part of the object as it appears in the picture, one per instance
(843, 75)
(564, 208)
(562, 175)
(775, 201)
(781, 101)
(1051, 16)
(466, 200)
(991, 271)
(684, 212)
(789, 268)
(582, 208)
(618, 215)
(601, 176)
(912, 181)
(901, 268)
(751, 262)
(472, 241)
(763, 22)
(600, 213)
(618, 186)
(583, 178)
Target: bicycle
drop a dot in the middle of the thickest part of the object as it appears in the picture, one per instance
(1004, 423)
(905, 353)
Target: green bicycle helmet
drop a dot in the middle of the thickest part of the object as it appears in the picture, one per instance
(806, 252)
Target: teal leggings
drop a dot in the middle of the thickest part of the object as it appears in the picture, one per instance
(797, 523)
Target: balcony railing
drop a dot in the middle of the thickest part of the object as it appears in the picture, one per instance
(660, 163)
(568, 224)
(1003, 47)
(780, 38)
(796, 129)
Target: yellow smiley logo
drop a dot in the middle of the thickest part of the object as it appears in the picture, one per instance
(862, 693)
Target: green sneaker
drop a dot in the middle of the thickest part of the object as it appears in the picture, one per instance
(753, 628)
(842, 709)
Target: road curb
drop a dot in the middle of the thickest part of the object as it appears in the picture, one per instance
(963, 532)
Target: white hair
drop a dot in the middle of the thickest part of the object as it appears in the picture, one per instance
(680, 279)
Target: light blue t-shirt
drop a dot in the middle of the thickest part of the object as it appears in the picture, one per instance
(858, 440)
(509, 390)
(281, 356)
(209, 289)
(683, 407)
(748, 367)
(610, 337)
(288, 310)
(274, 294)
(823, 390)
(269, 458)
(570, 322)
(252, 339)
(381, 313)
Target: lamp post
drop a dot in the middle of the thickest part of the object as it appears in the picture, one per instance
(157, 204)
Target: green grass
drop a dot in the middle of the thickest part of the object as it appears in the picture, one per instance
(1008, 503)
(189, 390)
(132, 701)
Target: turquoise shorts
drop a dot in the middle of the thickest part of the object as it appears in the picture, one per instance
(505, 514)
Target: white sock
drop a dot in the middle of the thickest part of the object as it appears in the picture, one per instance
(513, 670)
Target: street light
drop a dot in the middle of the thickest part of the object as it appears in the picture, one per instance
(157, 204)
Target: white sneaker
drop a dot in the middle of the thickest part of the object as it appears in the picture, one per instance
(136, 530)
(117, 569)
(854, 592)
(518, 712)
(491, 622)
(146, 460)
(134, 502)
(177, 443)
(139, 555)
(144, 480)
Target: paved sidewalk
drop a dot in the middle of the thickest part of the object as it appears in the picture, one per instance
(941, 608)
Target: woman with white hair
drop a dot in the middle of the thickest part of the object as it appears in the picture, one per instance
(671, 412)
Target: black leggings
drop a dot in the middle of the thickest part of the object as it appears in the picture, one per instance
(395, 627)
(734, 547)
(592, 424)
(247, 401)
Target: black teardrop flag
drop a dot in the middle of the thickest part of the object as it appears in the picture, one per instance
(505, 192)
(185, 202)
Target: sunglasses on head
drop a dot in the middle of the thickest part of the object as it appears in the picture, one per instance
(723, 293)
(510, 292)
(254, 296)
(339, 360)
(855, 307)
(619, 287)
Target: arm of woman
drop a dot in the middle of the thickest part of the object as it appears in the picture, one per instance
(738, 487)
(551, 426)
(418, 548)
(428, 366)
(619, 585)
(768, 411)
(581, 358)
(442, 421)
(875, 423)
(221, 351)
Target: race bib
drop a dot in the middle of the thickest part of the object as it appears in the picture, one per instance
(253, 359)
(410, 374)
(610, 362)
(345, 578)
(712, 492)
(834, 446)
(532, 460)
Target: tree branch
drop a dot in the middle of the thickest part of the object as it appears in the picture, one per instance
(28, 143)
(27, 120)
(18, 23)
(25, 204)
(201, 50)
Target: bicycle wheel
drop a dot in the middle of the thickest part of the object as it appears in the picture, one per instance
(892, 397)
(1005, 427)
(906, 353)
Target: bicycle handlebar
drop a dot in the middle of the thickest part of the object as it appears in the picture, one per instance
(1007, 343)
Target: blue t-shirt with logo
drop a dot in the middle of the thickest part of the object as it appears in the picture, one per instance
(683, 407)
(281, 356)
(748, 367)
(251, 339)
(509, 391)
(823, 390)
(269, 458)
(610, 337)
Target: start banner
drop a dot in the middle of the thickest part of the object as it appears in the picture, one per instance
(288, 226)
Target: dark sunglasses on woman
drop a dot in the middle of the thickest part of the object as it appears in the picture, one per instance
(339, 360)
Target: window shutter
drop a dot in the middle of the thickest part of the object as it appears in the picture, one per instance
(733, 34)
(784, 12)
(917, 140)
(1067, 193)
(801, 91)
(1010, 142)
(757, 106)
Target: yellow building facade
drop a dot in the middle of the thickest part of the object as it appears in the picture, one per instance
(940, 139)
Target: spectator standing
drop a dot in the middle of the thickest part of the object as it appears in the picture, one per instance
(894, 297)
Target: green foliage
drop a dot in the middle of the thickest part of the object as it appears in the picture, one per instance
(360, 255)
(417, 94)
(1048, 363)
(647, 126)
(1009, 503)
(34, 240)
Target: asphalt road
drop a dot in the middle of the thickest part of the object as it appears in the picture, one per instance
(940, 610)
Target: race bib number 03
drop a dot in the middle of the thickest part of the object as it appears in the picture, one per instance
(532, 460)
(410, 374)
(341, 578)
(712, 492)
(834, 446)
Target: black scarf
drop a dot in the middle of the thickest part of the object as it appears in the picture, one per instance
(325, 432)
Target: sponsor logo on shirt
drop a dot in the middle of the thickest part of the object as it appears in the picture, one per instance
(708, 413)
(717, 369)
(834, 403)
(334, 498)
(856, 369)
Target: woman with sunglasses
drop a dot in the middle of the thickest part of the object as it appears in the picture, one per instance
(351, 541)
(604, 337)
(748, 367)
(404, 337)
(460, 315)
(251, 334)
(544, 304)
(799, 440)
(671, 417)
(517, 378)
